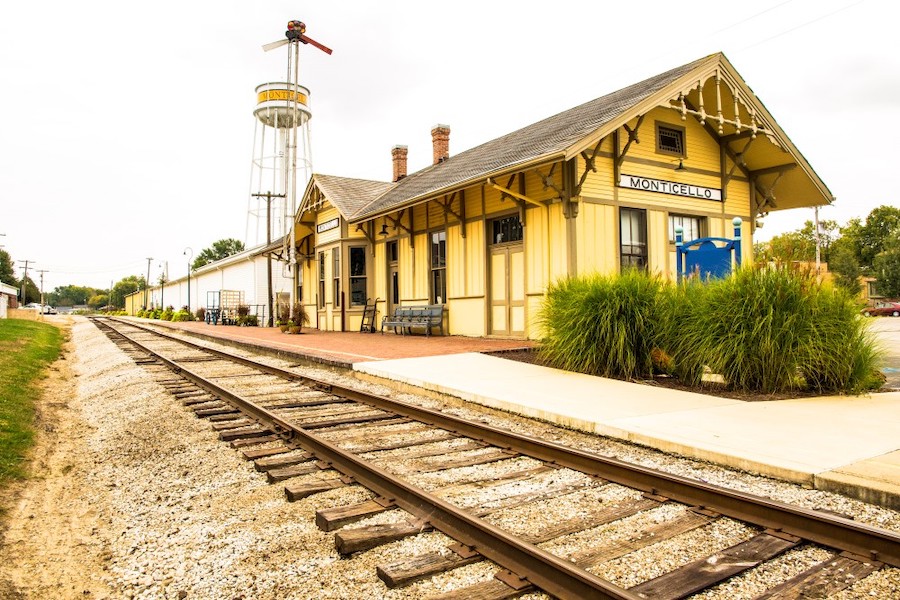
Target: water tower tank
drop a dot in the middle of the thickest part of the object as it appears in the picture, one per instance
(275, 105)
(282, 160)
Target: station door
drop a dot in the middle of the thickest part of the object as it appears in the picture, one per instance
(507, 286)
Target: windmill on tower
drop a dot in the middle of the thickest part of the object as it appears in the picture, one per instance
(282, 158)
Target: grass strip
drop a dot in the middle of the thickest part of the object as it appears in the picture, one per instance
(26, 349)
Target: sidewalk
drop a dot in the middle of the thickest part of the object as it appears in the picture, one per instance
(845, 444)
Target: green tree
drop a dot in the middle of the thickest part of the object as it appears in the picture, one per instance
(7, 272)
(71, 295)
(32, 293)
(799, 245)
(98, 300)
(124, 287)
(882, 225)
(845, 268)
(887, 272)
(219, 250)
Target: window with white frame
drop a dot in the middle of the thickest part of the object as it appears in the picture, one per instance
(321, 280)
(358, 280)
(336, 274)
(692, 227)
(633, 237)
(439, 267)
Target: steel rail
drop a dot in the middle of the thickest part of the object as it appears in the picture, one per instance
(546, 571)
(814, 526)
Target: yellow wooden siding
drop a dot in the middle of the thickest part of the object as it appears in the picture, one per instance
(456, 262)
(473, 202)
(420, 222)
(559, 250)
(435, 215)
(378, 271)
(331, 235)
(599, 184)
(537, 249)
(466, 317)
(475, 254)
(657, 241)
(533, 306)
(597, 236)
(737, 202)
(354, 233)
(494, 203)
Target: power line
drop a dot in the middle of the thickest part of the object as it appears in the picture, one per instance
(800, 26)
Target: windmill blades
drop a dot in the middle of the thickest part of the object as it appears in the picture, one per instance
(321, 47)
(278, 44)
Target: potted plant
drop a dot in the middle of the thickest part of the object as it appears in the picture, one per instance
(283, 312)
(300, 317)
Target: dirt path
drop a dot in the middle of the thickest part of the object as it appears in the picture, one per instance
(52, 540)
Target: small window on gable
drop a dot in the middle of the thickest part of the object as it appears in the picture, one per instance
(669, 139)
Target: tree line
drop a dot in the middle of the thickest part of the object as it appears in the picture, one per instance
(96, 298)
(867, 247)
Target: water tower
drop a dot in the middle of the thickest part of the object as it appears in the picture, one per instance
(282, 161)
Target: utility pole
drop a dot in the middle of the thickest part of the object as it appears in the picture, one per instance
(189, 252)
(818, 248)
(163, 278)
(268, 196)
(24, 279)
(147, 284)
(42, 271)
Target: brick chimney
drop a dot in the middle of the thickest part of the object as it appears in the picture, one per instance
(440, 141)
(398, 155)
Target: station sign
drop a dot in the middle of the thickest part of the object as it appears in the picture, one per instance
(327, 225)
(673, 188)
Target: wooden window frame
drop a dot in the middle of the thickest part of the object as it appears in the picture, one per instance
(682, 133)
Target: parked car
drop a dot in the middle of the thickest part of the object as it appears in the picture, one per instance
(883, 309)
(45, 309)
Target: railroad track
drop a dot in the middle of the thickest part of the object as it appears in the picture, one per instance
(474, 482)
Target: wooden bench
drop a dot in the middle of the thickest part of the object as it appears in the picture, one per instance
(405, 318)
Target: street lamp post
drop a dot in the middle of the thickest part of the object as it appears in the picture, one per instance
(163, 278)
(190, 256)
(147, 285)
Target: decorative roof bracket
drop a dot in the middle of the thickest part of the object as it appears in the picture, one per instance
(548, 182)
(367, 231)
(505, 191)
(589, 162)
(632, 137)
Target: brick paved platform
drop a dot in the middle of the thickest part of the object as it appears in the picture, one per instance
(343, 348)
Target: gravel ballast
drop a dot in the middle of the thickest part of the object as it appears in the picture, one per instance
(134, 497)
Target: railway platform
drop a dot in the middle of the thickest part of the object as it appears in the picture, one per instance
(845, 444)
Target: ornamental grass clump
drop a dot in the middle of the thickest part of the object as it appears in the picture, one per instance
(842, 354)
(772, 330)
(601, 325)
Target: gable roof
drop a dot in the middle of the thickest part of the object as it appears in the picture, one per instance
(566, 134)
(538, 142)
(346, 194)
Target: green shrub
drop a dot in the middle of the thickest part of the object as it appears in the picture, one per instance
(166, 315)
(769, 330)
(601, 325)
(842, 354)
(763, 330)
(181, 315)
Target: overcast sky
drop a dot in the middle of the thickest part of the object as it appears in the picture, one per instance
(127, 128)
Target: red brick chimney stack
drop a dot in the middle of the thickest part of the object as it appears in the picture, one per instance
(398, 155)
(440, 140)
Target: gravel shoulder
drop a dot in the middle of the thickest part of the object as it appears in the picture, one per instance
(133, 497)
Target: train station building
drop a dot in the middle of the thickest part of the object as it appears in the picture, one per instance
(596, 188)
